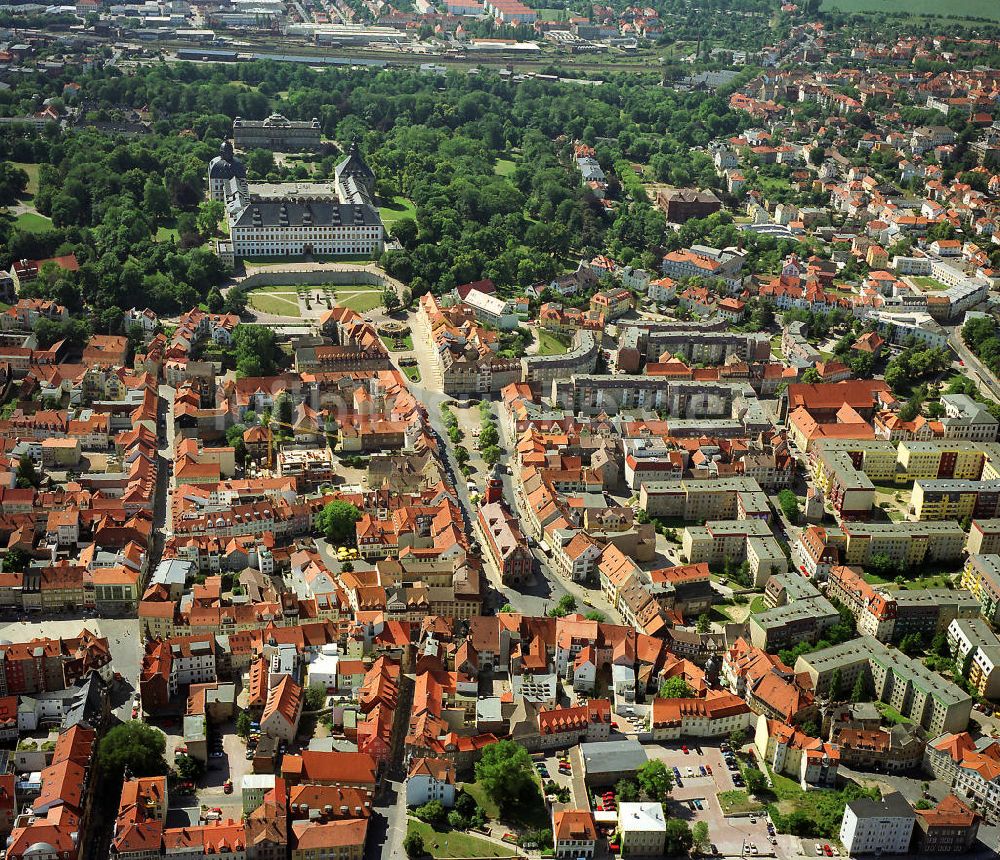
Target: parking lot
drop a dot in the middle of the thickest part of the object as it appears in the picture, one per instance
(210, 789)
(694, 799)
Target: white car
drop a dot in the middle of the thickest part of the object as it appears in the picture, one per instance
(819, 850)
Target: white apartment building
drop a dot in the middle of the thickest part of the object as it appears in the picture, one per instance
(878, 826)
(192, 661)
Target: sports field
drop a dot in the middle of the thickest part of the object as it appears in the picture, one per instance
(957, 9)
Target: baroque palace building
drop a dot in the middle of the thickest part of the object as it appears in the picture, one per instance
(277, 134)
(297, 218)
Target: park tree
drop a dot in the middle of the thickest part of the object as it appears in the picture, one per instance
(811, 375)
(13, 182)
(755, 779)
(789, 505)
(699, 837)
(15, 560)
(859, 693)
(491, 455)
(836, 685)
(133, 745)
(235, 301)
(315, 698)
(505, 773)
(679, 838)
(655, 780)
(243, 724)
(188, 767)
(210, 213)
(413, 844)
(432, 813)
(390, 300)
(256, 350)
(337, 520)
(566, 605)
(27, 475)
(260, 162)
(703, 624)
(488, 435)
(627, 790)
(156, 200)
(675, 688)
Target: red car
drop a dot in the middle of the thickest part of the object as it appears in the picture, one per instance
(217, 809)
(684, 750)
(827, 850)
(227, 786)
(708, 767)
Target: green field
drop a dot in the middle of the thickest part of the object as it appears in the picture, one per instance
(284, 301)
(911, 8)
(736, 802)
(504, 167)
(360, 300)
(281, 301)
(929, 284)
(32, 171)
(32, 222)
(551, 344)
(411, 373)
(455, 843)
(167, 234)
(396, 209)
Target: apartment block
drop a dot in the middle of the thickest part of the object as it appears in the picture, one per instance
(981, 576)
(804, 616)
(906, 684)
(878, 826)
(716, 499)
(984, 537)
(976, 650)
(941, 459)
(891, 615)
(955, 499)
(736, 540)
(819, 548)
(593, 394)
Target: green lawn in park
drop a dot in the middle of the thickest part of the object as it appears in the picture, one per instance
(32, 171)
(32, 222)
(551, 344)
(455, 843)
(396, 209)
(360, 299)
(504, 167)
(281, 301)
